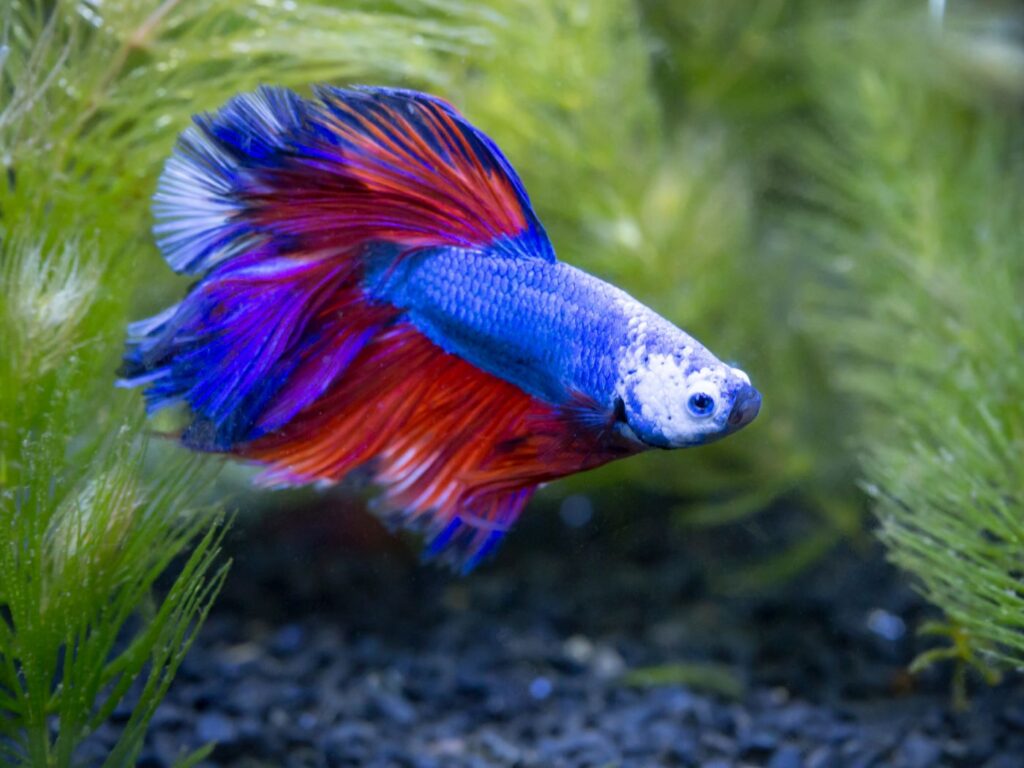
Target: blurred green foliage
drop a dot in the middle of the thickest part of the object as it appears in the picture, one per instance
(883, 157)
(826, 193)
(921, 165)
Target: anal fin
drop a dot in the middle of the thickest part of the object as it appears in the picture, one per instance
(457, 452)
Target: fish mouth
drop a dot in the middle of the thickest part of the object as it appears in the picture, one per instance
(745, 407)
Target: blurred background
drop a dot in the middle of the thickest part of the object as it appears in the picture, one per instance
(828, 194)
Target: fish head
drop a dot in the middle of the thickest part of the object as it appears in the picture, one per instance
(683, 397)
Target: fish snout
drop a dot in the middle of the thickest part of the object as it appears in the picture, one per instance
(745, 407)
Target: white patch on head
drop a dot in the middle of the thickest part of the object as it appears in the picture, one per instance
(741, 375)
(659, 369)
(660, 385)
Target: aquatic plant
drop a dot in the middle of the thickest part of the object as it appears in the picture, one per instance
(91, 95)
(919, 163)
(86, 537)
(880, 216)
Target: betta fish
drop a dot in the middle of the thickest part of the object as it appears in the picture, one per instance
(374, 291)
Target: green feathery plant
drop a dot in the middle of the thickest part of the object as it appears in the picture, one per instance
(85, 537)
(91, 97)
(919, 166)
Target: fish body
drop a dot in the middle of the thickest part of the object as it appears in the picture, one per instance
(556, 331)
(375, 291)
(546, 327)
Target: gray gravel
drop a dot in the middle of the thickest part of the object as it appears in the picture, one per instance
(318, 655)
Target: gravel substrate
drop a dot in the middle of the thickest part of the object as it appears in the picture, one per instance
(320, 656)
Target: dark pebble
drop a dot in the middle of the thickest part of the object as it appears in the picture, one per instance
(168, 716)
(216, 728)
(164, 749)
(149, 758)
(1014, 716)
(980, 738)
(498, 748)
(288, 640)
(393, 707)
(253, 736)
(757, 745)
(822, 757)
(293, 696)
(304, 757)
(251, 696)
(919, 751)
(91, 752)
(861, 755)
(123, 711)
(787, 756)
(588, 747)
(683, 748)
(718, 743)
(349, 741)
(1004, 761)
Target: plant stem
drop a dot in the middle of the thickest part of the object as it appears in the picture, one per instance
(139, 39)
(39, 745)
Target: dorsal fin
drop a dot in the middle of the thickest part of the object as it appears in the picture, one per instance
(278, 203)
(440, 181)
(354, 166)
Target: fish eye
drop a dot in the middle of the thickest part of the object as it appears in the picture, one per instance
(701, 404)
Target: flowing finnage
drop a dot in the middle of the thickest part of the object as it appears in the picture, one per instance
(375, 291)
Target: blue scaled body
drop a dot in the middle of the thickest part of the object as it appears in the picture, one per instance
(545, 326)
